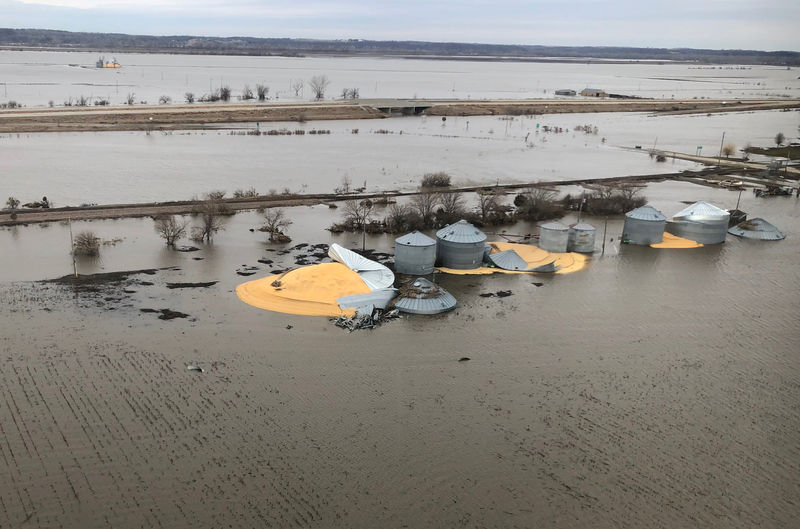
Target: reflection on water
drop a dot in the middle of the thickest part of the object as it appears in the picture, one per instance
(34, 78)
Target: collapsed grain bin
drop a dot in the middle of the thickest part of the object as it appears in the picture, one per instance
(423, 297)
(508, 260)
(644, 225)
(414, 254)
(700, 222)
(460, 246)
(553, 237)
(581, 238)
(758, 229)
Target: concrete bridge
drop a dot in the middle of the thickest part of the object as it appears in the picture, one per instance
(407, 107)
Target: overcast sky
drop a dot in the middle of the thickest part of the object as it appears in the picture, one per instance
(731, 24)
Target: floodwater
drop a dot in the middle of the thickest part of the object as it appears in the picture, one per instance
(656, 388)
(125, 167)
(35, 78)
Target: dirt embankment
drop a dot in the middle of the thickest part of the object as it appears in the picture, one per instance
(208, 115)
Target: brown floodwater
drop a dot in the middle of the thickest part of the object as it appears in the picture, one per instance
(655, 388)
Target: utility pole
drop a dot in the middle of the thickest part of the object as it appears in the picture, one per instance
(72, 249)
(719, 156)
(605, 228)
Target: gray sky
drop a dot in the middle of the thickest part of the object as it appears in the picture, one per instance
(731, 24)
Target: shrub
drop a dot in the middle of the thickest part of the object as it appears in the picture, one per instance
(440, 179)
(12, 203)
(86, 244)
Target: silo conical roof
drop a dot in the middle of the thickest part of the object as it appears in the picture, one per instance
(700, 211)
(757, 228)
(424, 297)
(583, 226)
(461, 232)
(646, 213)
(415, 238)
(554, 226)
(508, 260)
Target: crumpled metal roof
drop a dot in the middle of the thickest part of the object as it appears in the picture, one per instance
(646, 213)
(555, 226)
(374, 274)
(700, 211)
(508, 260)
(415, 238)
(757, 228)
(442, 301)
(461, 231)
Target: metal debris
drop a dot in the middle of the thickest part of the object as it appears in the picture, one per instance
(368, 321)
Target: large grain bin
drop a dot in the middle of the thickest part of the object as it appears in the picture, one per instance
(644, 225)
(460, 245)
(553, 237)
(581, 238)
(701, 222)
(415, 254)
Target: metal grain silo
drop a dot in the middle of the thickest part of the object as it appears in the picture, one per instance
(644, 225)
(414, 254)
(460, 245)
(553, 237)
(701, 222)
(581, 238)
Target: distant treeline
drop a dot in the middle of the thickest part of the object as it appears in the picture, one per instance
(117, 42)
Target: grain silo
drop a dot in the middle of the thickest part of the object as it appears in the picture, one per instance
(644, 225)
(581, 238)
(460, 245)
(701, 222)
(414, 254)
(553, 237)
(424, 297)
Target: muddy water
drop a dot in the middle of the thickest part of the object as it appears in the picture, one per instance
(135, 166)
(653, 389)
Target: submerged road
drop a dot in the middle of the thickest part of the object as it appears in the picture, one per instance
(29, 216)
(203, 115)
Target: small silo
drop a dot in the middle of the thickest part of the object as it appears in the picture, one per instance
(644, 225)
(581, 238)
(460, 245)
(701, 222)
(553, 237)
(414, 254)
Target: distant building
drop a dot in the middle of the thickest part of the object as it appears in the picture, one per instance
(565, 92)
(593, 92)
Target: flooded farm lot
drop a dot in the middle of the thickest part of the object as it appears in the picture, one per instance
(656, 388)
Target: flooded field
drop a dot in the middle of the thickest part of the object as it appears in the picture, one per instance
(124, 167)
(35, 78)
(656, 388)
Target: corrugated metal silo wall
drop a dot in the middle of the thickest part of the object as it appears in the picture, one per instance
(709, 232)
(646, 232)
(462, 256)
(553, 240)
(414, 260)
(581, 241)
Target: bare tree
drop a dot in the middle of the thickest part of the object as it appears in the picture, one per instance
(398, 218)
(779, 139)
(275, 222)
(225, 93)
(247, 93)
(86, 244)
(189, 97)
(164, 100)
(210, 210)
(345, 187)
(357, 214)
(130, 98)
(424, 205)
(318, 84)
(452, 207)
(262, 91)
(297, 87)
(12, 203)
(169, 229)
(488, 204)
